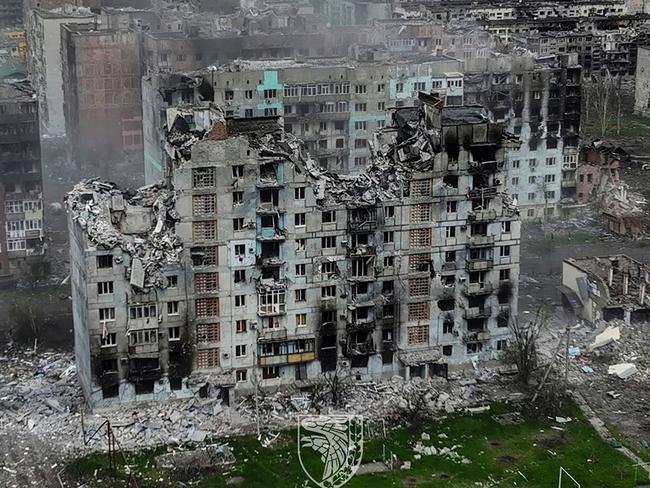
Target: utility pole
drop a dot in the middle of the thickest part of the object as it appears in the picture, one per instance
(566, 356)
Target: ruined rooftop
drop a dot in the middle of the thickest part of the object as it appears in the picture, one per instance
(622, 275)
(140, 223)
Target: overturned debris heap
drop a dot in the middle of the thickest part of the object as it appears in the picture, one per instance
(287, 270)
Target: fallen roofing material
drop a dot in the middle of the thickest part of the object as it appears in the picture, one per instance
(140, 223)
(610, 334)
(623, 370)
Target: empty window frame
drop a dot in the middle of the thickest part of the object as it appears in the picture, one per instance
(172, 308)
(144, 336)
(272, 302)
(104, 262)
(328, 242)
(205, 256)
(105, 288)
(143, 311)
(108, 340)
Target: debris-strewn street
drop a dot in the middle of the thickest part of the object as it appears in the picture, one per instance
(42, 425)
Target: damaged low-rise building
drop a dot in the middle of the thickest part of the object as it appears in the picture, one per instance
(262, 268)
(606, 288)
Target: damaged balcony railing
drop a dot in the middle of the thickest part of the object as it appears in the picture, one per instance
(482, 215)
(477, 312)
(479, 264)
(480, 240)
(476, 335)
(480, 288)
(361, 250)
(360, 344)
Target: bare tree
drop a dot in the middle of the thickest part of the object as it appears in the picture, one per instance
(522, 348)
(413, 410)
(603, 100)
(331, 388)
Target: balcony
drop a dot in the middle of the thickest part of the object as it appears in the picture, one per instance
(270, 176)
(270, 335)
(477, 335)
(448, 266)
(271, 234)
(568, 183)
(478, 288)
(361, 250)
(484, 166)
(477, 312)
(143, 350)
(484, 192)
(269, 207)
(108, 378)
(328, 303)
(479, 264)
(360, 325)
(480, 241)
(481, 216)
(297, 357)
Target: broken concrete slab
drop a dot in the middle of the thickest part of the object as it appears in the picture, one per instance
(623, 370)
(611, 333)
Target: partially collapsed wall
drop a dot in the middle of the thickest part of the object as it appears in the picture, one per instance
(251, 264)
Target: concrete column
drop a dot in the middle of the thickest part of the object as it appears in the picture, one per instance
(611, 275)
(642, 293)
(626, 283)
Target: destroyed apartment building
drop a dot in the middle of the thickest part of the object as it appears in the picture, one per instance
(252, 265)
(606, 288)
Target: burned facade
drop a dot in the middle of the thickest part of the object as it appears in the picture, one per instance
(20, 174)
(285, 269)
(334, 106)
(539, 98)
(606, 288)
(101, 81)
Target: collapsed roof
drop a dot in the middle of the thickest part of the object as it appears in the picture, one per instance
(140, 223)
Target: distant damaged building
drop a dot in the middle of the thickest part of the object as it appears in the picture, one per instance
(252, 264)
(606, 288)
(21, 178)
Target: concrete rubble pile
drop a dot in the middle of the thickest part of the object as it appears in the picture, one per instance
(39, 395)
(613, 347)
(140, 223)
(614, 378)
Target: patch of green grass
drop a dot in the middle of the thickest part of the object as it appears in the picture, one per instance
(542, 245)
(632, 126)
(643, 453)
(527, 454)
